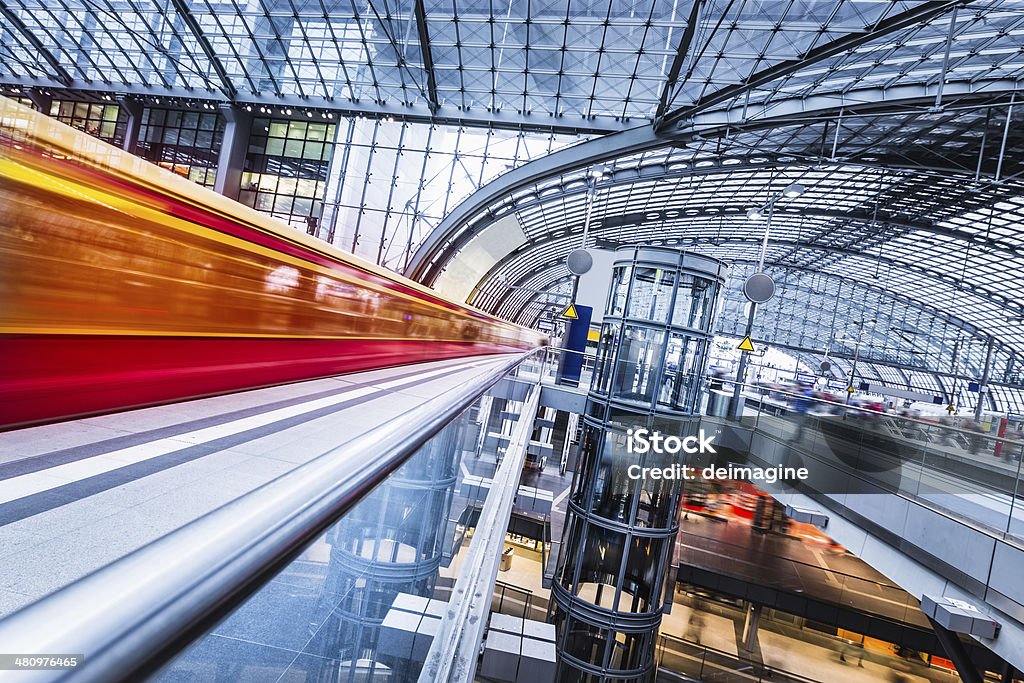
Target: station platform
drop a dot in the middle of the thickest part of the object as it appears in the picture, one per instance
(77, 495)
(795, 566)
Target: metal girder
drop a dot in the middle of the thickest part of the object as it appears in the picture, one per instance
(227, 87)
(893, 101)
(425, 264)
(970, 328)
(428, 59)
(682, 52)
(445, 115)
(921, 13)
(422, 266)
(926, 308)
(62, 76)
(811, 212)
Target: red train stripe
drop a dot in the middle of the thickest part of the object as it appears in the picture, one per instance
(52, 377)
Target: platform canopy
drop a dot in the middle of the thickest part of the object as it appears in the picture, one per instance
(674, 117)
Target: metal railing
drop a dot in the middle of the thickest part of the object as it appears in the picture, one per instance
(129, 618)
(709, 665)
(454, 651)
(966, 472)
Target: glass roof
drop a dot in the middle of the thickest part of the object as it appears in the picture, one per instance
(593, 64)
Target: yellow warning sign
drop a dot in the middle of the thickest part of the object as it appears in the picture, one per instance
(570, 312)
(746, 345)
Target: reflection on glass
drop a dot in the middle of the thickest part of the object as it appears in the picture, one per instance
(323, 617)
(652, 294)
(619, 289)
(636, 367)
(613, 489)
(680, 383)
(605, 355)
(693, 302)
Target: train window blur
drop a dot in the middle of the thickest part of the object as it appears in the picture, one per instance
(116, 271)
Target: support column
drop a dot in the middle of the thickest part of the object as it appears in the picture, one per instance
(231, 161)
(41, 100)
(983, 385)
(135, 111)
(750, 627)
(956, 652)
(736, 408)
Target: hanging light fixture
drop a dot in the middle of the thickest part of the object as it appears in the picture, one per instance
(793, 190)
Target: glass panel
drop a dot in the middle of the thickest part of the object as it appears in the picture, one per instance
(640, 355)
(619, 289)
(680, 380)
(652, 294)
(693, 302)
(605, 356)
(351, 605)
(613, 488)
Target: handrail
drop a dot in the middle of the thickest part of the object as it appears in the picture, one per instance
(130, 617)
(454, 651)
(767, 671)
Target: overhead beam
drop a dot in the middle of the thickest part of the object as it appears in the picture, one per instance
(929, 309)
(344, 106)
(805, 212)
(898, 100)
(428, 58)
(60, 73)
(471, 214)
(1007, 302)
(682, 52)
(919, 14)
(226, 86)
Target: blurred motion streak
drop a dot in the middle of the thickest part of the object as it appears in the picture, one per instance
(122, 285)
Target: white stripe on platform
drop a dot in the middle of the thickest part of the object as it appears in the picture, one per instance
(51, 478)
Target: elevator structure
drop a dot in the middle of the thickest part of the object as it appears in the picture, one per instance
(609, 587)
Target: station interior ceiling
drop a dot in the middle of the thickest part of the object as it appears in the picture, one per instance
(665, 121)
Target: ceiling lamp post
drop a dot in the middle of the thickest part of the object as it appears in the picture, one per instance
(759, 288)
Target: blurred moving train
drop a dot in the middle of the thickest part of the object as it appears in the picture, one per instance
(122, 285)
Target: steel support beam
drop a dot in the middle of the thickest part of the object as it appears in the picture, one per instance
(42, 101)
(956, 651)
(428, 59)
(922, 13)
(233, 149)
(682, 52)
(899, 100)
(135, 111)
(61, 74)
(969, 328)
(226, 86)
(343, 106)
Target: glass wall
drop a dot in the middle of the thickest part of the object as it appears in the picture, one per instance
(103, 121)
(185, 142)
(286, 170)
